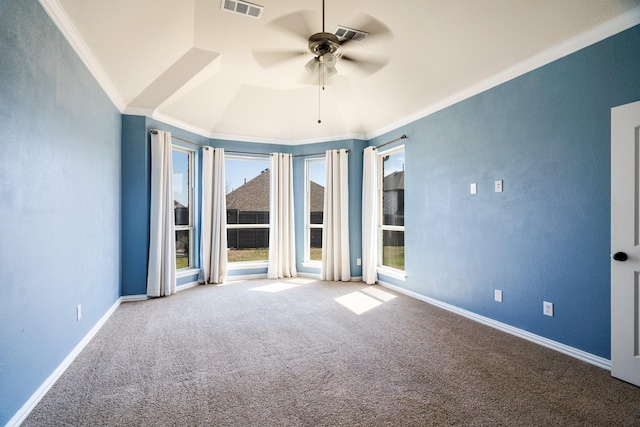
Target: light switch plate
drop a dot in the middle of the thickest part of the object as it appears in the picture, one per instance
(547, 308)
(473, 188)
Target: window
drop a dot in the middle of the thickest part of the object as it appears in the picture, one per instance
(314, 206)
(392, 208)
(183, 206)
(247, 188)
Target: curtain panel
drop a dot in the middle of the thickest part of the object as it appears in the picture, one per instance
(336, 262)
(213, 241)
(282, 247)
(161, 273)
(370, 213)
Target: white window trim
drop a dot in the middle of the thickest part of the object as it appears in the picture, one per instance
(247, 265)
(386, 270)
(394, 273)
(190, 227)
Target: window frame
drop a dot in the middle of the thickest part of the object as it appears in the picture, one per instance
(190, 188)
(237, 265)
(385, 269)
(308, 226)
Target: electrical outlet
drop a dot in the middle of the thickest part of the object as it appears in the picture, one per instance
(358, 261)
(497, 295)
(498, 186)
(547, 308)
(79, 311)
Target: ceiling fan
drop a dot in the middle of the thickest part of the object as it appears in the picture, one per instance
(327, 48)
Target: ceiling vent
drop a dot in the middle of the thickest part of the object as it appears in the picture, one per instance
(344, 33)
(243, 8)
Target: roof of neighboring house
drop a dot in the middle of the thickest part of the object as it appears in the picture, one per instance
(395, 181)
(317, 197)
(254, 195)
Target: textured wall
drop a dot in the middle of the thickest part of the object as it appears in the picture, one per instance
(59, 201)
(546, 237)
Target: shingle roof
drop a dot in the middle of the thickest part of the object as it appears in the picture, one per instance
(254, 195)
(394, 181)
(317, 197)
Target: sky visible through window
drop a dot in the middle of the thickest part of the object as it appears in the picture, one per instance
(394, 164)
(237, 170)
(180, 160)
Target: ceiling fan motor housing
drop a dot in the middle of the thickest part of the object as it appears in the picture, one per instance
(321, 43)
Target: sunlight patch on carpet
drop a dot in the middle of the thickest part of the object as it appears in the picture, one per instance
(358, 302)
(378, 293)
(275, 287)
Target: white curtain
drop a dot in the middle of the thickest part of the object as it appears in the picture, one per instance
(336, 263)
(213, 241)
(161, 273)
(370, 217)
(282, 256)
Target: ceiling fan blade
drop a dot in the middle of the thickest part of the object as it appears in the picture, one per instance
(366, 66)
(271, 58)
(377, 31)
(295, 24)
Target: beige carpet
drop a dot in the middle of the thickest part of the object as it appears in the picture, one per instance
(295, 353)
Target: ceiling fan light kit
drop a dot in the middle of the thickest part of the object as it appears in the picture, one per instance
(325, 47)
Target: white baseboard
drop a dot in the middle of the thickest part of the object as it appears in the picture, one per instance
(318, 276)
(598, 361)
(245, 277)
(131, 298)
(144, 297)
(309, 275)
(26, 409)
(186, 286)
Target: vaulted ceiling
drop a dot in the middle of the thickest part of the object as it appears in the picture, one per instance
(192, 64)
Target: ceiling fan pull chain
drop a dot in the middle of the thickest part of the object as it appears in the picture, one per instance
(319, 91)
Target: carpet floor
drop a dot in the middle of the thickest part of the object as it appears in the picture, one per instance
(301, 352)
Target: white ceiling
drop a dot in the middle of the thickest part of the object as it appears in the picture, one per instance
(191, 64)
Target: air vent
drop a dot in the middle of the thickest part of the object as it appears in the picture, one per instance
(344, 33)
(243, 8)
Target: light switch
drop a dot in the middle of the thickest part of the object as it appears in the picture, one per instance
(473, 189)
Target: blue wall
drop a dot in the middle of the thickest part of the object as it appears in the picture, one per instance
(136, 197)
(59, 201)
(69, 161)
(547, 236)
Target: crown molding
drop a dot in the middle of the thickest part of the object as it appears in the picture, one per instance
(574, 44)
(590, 37)
(70, 32)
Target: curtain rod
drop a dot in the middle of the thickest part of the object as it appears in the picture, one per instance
(313, 154)
(155, 131)
(390, 142)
